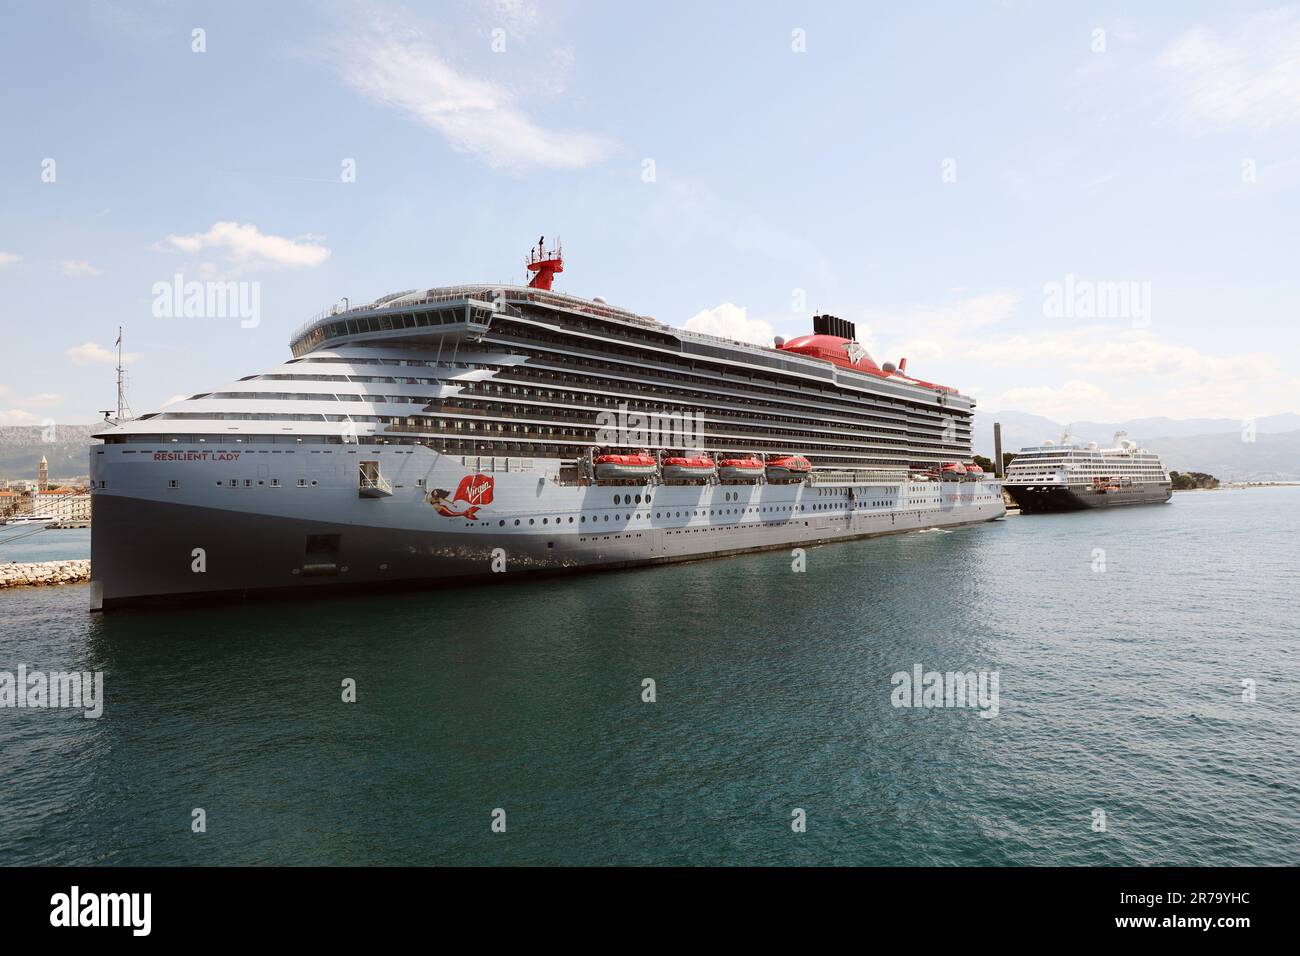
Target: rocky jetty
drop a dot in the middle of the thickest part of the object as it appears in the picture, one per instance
(45, 572)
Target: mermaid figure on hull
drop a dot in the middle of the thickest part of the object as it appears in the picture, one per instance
(474, 490)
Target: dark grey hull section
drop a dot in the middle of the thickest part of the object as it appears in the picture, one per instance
(1045, 499)
(145, 551)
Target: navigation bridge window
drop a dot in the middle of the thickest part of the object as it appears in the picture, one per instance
(371, 484)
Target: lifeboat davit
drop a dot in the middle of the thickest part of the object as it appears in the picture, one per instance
(739, 469)
(698, 468)
(788, 468)
(952, 469)
(623, 467)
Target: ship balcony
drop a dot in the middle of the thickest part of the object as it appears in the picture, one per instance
(376, 488)
(371, 484)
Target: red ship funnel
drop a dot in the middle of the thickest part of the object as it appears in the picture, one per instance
(544, 264)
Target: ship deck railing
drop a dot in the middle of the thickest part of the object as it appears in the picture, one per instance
(376, 487)
(764, 355)
(582, 416)
(858, 476)
(485, 292)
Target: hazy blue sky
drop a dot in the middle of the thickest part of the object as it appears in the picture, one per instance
(958, 178)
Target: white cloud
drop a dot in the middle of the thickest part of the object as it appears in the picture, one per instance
(1076, 372)
(91, 353)
(43, 400)
(925, 333)
(1061, 404)
(393, 65)
(19, 415)
(1249, 76)
(9, 259)
(970, 313)
(246, 245)
(915, 350)
(1105, 350)
(517, 16)
(16, 416)
(730, 321)
(79, 269)
(1129, 373)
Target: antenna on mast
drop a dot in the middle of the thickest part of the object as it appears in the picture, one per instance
(123, 409)
(544, 263)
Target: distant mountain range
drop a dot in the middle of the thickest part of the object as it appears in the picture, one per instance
(1217, 446)
(21, 448)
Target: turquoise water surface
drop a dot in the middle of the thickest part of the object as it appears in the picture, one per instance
(24, 543)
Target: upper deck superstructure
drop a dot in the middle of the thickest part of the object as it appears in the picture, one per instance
(517, 371)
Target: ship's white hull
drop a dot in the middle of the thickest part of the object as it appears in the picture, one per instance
(265, 532)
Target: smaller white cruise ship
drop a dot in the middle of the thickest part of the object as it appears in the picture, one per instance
(1068, 476)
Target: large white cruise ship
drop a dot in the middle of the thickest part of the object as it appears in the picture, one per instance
(487, 430)
(1071, 477)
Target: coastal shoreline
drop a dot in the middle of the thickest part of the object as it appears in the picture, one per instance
(44, 573)
(1243, 486)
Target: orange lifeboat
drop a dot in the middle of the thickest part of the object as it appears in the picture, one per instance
(623, 467)
(739, 469)
(974, 471)
(699, 468)
(788, 468)
(952, 469)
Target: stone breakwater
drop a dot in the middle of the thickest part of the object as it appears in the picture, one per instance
(45, 572)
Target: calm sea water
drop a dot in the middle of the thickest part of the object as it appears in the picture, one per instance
(32, 543)
(1120, 690)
